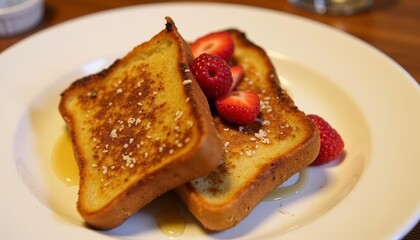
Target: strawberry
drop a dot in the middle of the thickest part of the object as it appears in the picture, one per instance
(332, 144)
(237, 75)
(240, 107)
(217, 43)
(212, 74)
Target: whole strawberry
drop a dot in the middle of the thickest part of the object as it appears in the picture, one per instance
(332, 144)
(212, 74)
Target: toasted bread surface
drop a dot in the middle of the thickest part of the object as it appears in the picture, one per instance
(139, 128)
(257, 157)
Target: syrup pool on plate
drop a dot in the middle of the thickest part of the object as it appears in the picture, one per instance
(63, 162)
(289, 190)
(169, 218)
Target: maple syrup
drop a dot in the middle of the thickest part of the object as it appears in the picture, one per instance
(286, 191)
(63, 161)
(168, 215)
(170, 221)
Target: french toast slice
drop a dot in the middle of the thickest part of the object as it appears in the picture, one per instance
(257, 157)
(139, 128)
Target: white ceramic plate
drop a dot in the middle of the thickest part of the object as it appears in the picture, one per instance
(373, 193)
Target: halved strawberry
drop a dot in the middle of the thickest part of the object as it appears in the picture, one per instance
(237, 75)
(240, 107)
(217, 43)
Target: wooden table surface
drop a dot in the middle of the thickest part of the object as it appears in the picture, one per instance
(392, 26)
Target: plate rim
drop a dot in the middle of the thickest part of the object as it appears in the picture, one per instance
(408, 78)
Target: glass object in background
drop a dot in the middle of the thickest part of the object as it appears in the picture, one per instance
(19, 16)
(9, 3)
(344, 7)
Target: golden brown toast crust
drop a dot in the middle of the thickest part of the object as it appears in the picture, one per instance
(258, 157)
(139, 128)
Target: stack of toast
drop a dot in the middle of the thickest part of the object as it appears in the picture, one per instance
(143, 127)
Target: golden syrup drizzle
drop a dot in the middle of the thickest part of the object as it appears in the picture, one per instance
(286, 191)
(63, 161)
(169, 218)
